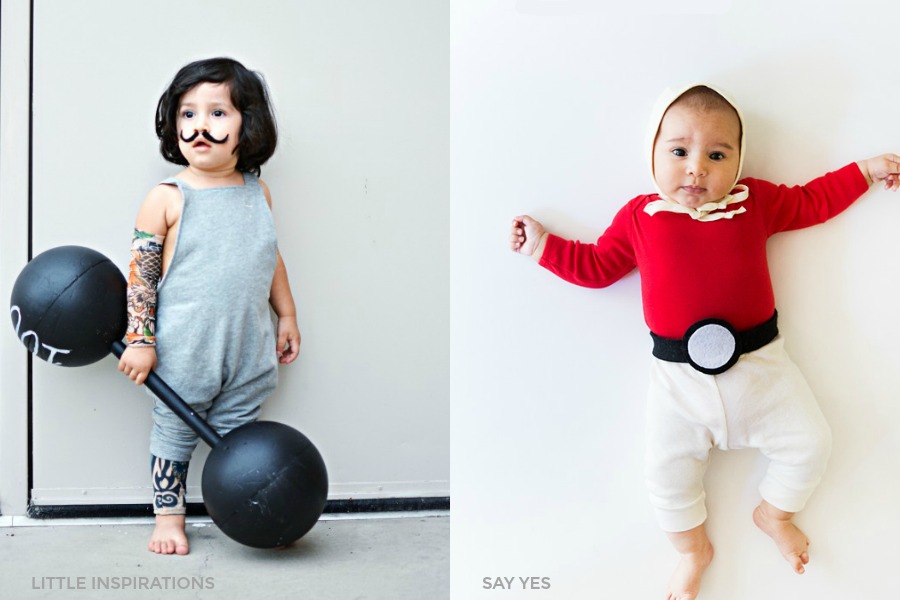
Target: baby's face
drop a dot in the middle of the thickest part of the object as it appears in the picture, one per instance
(697, 154)
(207, 109)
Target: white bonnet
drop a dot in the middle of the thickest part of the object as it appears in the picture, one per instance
(663, 103)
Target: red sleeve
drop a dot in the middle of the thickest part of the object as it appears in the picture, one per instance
(594, 265)
(800, 206)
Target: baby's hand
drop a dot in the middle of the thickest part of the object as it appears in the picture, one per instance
(884, 168)
(526, 235)
(288, 340)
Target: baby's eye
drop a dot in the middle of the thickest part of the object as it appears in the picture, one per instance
(717, 156)
(188, 114)
(218, 113)
(679, 152)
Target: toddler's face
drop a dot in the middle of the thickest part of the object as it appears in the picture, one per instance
(209, 126)
(697, 154)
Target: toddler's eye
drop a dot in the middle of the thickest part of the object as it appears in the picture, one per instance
(717, 156)
(188, 114)
(218, 113)
(679, 152)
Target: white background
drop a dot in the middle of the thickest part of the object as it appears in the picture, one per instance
(550, 101)
(360, 194)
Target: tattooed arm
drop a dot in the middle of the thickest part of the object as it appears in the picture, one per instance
(145, 272)
(158, 214)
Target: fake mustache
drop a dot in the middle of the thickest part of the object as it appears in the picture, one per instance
(206, 136)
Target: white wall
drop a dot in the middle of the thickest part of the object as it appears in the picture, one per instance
(549, 107)
(359, 181)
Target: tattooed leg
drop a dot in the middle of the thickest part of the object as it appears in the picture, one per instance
(169, 486)
(144, 274)
(169, 483)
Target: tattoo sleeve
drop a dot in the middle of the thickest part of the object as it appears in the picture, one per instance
(169, 486)
(145, 271)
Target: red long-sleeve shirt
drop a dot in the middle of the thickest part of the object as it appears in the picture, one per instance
(692, 270)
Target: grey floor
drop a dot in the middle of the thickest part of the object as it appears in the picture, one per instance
(387, 557)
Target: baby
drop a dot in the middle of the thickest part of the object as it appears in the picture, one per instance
(720, 375)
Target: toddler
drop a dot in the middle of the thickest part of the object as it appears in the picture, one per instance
(720, 375)
(205, 270)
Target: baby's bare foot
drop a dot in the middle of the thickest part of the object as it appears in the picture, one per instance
(792, 543)
(169, 536)
(685, 581)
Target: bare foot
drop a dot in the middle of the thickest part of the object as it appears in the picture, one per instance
(696, 554)
(169, 536)
(792, 543)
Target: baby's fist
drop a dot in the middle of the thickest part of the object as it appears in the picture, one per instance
(525, 235)
(884, 168)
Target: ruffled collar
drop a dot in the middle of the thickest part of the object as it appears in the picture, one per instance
(711, 211)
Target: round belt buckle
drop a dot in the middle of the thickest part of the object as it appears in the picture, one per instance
(712, 346)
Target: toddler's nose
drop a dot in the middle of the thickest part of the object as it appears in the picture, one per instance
(201, 124)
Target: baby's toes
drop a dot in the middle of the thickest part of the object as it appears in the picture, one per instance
(797, 563)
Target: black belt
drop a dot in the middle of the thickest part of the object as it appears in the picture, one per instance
(713, 346)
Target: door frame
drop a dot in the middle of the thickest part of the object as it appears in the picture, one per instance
(16, 27)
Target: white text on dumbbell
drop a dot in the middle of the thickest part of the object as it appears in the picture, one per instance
(16, 313)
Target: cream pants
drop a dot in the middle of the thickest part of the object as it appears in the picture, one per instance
(762, 402)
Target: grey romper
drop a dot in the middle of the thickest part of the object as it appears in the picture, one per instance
(215, 340)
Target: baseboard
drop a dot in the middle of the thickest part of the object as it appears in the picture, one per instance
(365, 505)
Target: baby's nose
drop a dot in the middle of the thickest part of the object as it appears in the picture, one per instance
(696, 167)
